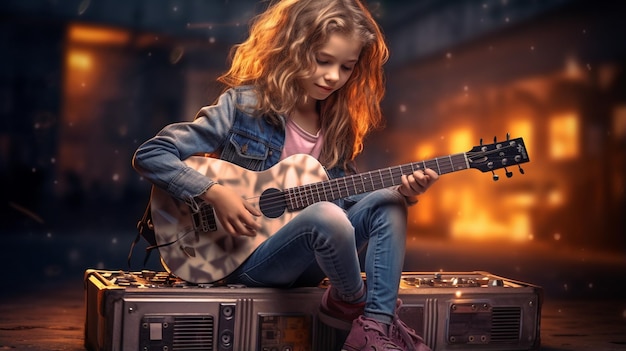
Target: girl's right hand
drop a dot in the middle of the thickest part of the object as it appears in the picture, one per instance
(234, 213)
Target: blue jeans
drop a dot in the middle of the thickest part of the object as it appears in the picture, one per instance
(323, 240)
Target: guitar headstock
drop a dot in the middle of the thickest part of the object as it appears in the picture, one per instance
(503, 154)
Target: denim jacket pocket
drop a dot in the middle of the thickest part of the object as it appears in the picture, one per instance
(245, 152)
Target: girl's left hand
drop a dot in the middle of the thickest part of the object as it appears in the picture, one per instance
(418, 182)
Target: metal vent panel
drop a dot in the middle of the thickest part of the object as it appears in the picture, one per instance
(506, 323)
(177, 332)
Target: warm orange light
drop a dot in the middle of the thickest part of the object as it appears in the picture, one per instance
(520, 200)
(82, 71)
(97, 35)
(460, 140)
(572, 68)
(519, 227)
(423, 213)
(619, 121)
(522, 128)
(424, 152)
(555, 198)
(564, 130)
(79, 60)
(480, 222)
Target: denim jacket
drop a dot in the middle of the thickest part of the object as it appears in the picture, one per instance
(227, 129)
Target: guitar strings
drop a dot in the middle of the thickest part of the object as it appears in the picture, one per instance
(281, 199)
(299, 197)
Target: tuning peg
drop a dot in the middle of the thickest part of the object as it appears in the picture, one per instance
(495, 139)
(508, 136)
(521, 170)
(508, 173)
(481, 141)
(495, 176)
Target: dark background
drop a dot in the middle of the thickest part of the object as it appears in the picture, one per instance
(83, 83)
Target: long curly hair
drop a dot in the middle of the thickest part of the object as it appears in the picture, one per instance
(280, 51)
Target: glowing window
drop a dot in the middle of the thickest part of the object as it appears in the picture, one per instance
(97, 35)
(522, 128)
(564, 130)
(79, 60)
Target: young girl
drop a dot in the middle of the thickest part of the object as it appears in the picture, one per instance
(308, 80)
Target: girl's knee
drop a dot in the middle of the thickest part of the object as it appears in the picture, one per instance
(332, 221)
(332, 216)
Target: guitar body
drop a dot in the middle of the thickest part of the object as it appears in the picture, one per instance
(194, 246)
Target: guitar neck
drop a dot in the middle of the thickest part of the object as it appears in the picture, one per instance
(299, 197)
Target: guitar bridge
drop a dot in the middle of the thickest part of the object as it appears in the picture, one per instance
(204, 220)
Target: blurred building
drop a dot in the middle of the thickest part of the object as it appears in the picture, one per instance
(83, 83)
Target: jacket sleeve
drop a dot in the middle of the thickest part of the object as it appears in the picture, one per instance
(160, 159)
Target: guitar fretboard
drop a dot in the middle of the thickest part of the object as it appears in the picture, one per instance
(299, 197)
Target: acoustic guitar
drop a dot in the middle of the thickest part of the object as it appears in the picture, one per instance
(193, 245)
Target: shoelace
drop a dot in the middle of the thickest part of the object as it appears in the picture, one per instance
(404, 333)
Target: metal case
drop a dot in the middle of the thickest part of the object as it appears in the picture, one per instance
(149, 311)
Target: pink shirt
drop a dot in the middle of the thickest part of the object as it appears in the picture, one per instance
(299, 141)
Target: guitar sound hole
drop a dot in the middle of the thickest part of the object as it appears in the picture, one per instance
(272, 203)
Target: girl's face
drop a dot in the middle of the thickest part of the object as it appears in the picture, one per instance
(334, 64)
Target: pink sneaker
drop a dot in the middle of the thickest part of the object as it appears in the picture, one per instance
(368, 334)
(336, 313)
